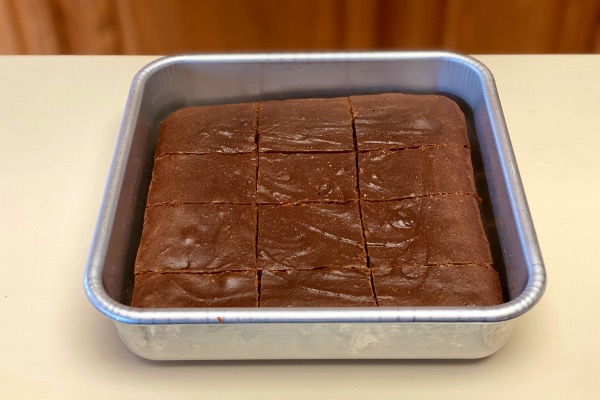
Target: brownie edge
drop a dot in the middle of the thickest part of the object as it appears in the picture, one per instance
(224, 128)
(398, 120)
(326, 287)
(439, 285)
(227, 289)
(306, 125)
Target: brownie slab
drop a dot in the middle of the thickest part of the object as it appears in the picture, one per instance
(201, 237)
(305, 125)
(425, 231)
(227, 289)
(227, 128)
(397, 120)
(388, 175)
(203, 178)
(337, 287)
(309, 236)
(232, 225)
(440, 285)
(291, 178)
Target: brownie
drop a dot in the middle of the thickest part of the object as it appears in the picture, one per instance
(226, 128)
(291, 178)
(335, 287)
(203, 178)
(397, 120)
(389, 175)
(227, 289)
(309, 236)
(438, 285)
(200, 237)
(425, 231)
(353, 201)
(303, 125)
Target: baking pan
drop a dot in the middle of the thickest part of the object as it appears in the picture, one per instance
(312, 333)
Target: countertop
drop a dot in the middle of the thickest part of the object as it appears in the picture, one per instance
(59, 120)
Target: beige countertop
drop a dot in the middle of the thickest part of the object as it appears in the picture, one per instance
(59, 119)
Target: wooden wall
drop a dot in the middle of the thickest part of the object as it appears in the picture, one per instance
(166, 27)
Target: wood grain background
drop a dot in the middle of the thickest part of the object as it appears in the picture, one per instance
(177, 26)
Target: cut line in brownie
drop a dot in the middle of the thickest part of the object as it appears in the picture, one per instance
(225, 128)
(326, 287)
(203, 178)
(227, 289)
(425, 231)
(293, 178)
(389, 175)
(305, 125)
(309, 236)
(198, 237)
(398, 120)
(439, 285)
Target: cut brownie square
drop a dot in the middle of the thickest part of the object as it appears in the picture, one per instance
(336, 287)
(203, 178)
(440, 285)
(203, 237)
(227, 128)
(397, 120)
(388, 175)
(291, 178)
(310, 236)
(425, 231)
(226, 289)
(305, 125)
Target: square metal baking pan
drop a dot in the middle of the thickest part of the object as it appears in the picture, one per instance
(312, 333)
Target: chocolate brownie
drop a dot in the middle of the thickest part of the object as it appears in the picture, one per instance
(199, 237)
(425, 231)
(352, 201)
(292, 178)
(393, 175)
(398, 121)
(310, 236)
(226, 289)
(226, 128)
(326, 287)
(437, 285)
(203, 178)
(303, 125)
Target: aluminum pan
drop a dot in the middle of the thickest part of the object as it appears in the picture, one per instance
(316, 341)
(272, 74)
